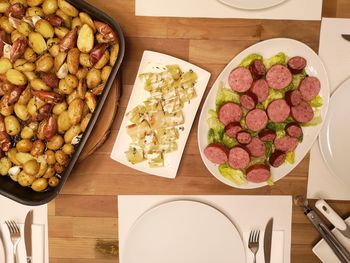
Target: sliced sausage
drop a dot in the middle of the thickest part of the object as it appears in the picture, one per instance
(244, 137)
(293, 97)
(309, 88)
(261, 89)
(257, 69)
(294, 130)
(256, 119)
(232, 129)
(216, 153)
(238, 158)
(278, 77)
(267, 135)
(296, 64)
(277, 158)
(286, 144)
(240, 79)
(258, 173)
(230, 112)
(302, 113)
(256, 147)
(248, 101)
(278, 110)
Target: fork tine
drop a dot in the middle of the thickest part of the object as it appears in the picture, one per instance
(15, 226)
(258, 235)
(250, 236)
(9, 226)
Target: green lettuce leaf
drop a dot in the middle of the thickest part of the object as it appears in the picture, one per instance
(290, 157)
(297, 78)
(235, 176)
(279, 58)
(249, 59)
(316, 102)
(228, 141)
(225, 95)
(273, 95)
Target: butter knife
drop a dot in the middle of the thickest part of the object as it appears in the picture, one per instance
(268, 240)
(346, 36)
(28, 235)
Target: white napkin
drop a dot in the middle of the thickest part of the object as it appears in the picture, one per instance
(335, 53)
(277, 245)
(325, 253)
(38, 238)
(247, 213)
(291, 9)
(11, 210)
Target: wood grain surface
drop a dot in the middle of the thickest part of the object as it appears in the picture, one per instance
(83, 220)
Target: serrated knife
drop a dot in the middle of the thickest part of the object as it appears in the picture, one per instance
(28, 235)
(268, 240)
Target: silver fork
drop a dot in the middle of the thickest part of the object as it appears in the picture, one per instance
(15, 235)
(253, 242)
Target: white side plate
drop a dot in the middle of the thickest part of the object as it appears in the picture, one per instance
(252, 4)
(186, 232)
(334, 141)
(267, 49)
(138, 95)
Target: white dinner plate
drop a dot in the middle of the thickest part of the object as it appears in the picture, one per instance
(334, 137)
(252, 4)
(267, 49)
(183, 231)
(151, 60)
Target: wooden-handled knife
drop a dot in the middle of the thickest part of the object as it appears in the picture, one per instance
(268, 240)
(28, 235)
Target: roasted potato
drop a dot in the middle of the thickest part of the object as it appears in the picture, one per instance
(49, 7)
(12, 125)
(55, 143)
(31, 167)
(25, 179)
(39, 184)
(93, 78)
(44, 28)
(44, 63)
(85, 40)
(16, 77)
(37, 42)
(53, 181)
(5, 165)
(5, 65)
(67, 8)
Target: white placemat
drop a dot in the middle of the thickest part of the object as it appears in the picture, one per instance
(335, 53)
(247, 213)
(11, 210)
(291, 9)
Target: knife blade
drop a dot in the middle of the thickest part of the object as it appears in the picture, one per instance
(268, 240)
(346, 37)
(28, 235)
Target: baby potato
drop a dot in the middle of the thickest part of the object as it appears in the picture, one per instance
(71, 133)
(67, 8)
(24, 28)
(23, 157)
(59, 168)
(61, 31)
(21, 111)
(73, 60)
(39, 184)
(34, 2)
(61, 157)
(72, 81)
(38, 148)
(16, 77)
(49, 172)
(5, 109)
(50, 157)
(59, 108)
(84, 123)
(43, 166)
(64, 87)
(30, 55)
(44, 63)
(37, 42)
(5, 65)
(93, 78)
(105, 73)
(31, 167)
(27, 133)
(74, 95)
(75, 111)
(66, 18)
(114, 54)
(38, 84)
(85, 41)
(76, 22)
(15, 35)
(11, 154)
(35, 11)
(86, 19)
(59, 60)
(68, 149)
(24, 65)
(103, 60)
(6, 25)
(25, 179)
(63, 122)
(5, 165)
(23, 2)
(52, 41)
(44, 28)
(54, 50)
(55, 142)
(12, 125)
(53, 181)
(82, 72)
(24, 145)
(84, 60)
(30, 75)
(50, 7)
(4, 5)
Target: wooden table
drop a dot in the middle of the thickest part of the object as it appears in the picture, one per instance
(85, 214)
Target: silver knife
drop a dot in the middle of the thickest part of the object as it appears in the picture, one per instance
(346, 36)
(28, 235)
(268, 240)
